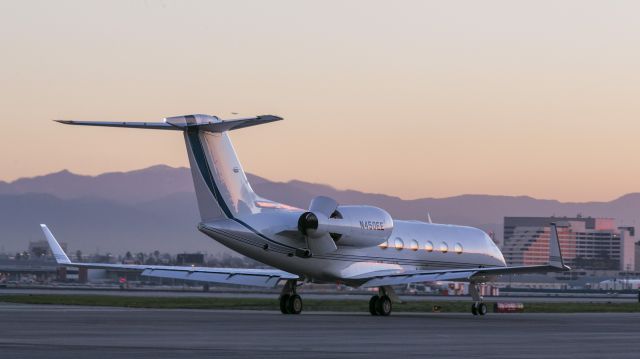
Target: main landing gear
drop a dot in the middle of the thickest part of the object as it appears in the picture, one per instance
(478, 307)
(290, 301)
(380, 304)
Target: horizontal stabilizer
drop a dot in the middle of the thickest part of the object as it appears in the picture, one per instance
(143, 125)
(230, 125)
(178, 123)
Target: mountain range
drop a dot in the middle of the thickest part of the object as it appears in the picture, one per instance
(155, 208)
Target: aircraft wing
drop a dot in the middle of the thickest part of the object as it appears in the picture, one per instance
(235, 276)
(555, 264)
(458, 275)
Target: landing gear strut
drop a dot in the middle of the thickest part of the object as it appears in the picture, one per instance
(380, 304)
(290, 301)
(478, 307)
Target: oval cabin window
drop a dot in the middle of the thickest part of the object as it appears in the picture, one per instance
(444, 248)
(458, 248)
(399, 244)
(414, 245)
(429, 246)
(384, 245)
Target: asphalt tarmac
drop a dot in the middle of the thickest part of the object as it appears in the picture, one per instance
(364, 297)
(40, 331)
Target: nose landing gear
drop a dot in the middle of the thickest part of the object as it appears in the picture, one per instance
(478, 307)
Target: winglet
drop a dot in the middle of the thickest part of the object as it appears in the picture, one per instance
(56, 250)
(555, 254)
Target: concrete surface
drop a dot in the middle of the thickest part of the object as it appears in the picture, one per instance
(35, 331)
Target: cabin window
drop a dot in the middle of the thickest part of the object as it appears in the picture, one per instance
(384, 245)
(399, 243)
(444, 248)
(458, 248)
(429, 246)
(414, 245)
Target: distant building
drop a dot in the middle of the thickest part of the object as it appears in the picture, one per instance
(637, 250)
(190, 259)
(586, 243)
(40, 249)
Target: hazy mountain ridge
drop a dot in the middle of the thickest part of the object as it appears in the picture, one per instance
(155, 208)
(126, 187)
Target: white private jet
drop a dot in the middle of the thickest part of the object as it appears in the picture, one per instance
(360, 246)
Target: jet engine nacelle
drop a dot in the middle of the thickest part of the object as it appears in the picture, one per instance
(356, 226)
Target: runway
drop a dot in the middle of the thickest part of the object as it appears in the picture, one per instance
(364, 297)
(33, 331)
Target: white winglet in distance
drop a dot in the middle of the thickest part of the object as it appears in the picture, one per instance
(56, 250)
(555, 254)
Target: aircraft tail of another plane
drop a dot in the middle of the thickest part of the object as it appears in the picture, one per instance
(221, 185)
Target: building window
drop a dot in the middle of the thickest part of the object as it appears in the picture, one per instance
(429, 246)
(444, 248)
(414, 245)
(458, 248)
(399, 243)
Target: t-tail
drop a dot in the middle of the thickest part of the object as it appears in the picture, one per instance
(221, 186)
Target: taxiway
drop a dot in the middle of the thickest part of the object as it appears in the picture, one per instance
(41, 331)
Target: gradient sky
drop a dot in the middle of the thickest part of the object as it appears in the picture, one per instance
(408, 98)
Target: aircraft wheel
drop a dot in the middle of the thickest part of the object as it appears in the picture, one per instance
(294, 304)
(372, 305)
(283, 303)
(383, 306)
(474, 308)
(482, 309)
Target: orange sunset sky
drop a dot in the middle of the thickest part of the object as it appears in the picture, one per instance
(409, 98)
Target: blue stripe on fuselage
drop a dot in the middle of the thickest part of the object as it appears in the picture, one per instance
(205, 171)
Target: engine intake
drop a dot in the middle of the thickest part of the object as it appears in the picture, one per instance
(307, 221)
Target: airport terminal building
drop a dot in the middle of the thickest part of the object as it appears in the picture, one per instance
(586, 242)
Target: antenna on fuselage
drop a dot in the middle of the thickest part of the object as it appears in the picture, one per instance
(429, 217)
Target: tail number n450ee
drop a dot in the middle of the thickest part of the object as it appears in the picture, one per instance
(372, 225)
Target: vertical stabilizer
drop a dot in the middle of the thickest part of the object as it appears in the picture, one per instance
(222, 188)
